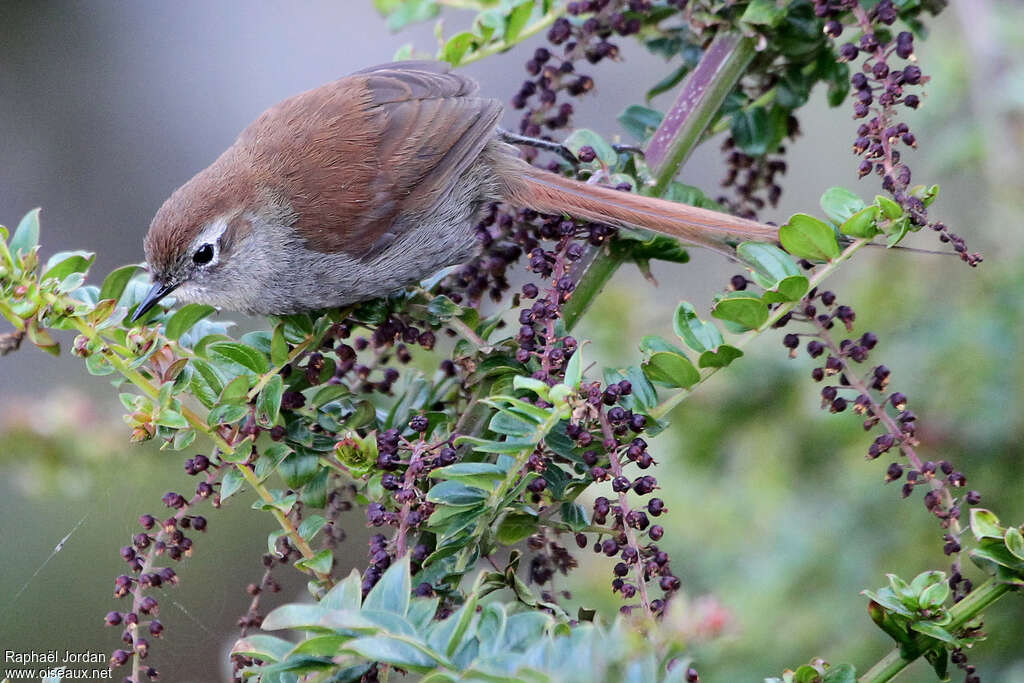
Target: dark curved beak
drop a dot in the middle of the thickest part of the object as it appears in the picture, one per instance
(157, 292)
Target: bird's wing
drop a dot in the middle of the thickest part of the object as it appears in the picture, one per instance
(361, 158)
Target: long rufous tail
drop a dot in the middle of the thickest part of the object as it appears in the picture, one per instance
(547, 192)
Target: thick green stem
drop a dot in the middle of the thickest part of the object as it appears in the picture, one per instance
(699, 99)
(593, 273)
(962, 612)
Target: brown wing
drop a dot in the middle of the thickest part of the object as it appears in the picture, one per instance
(377, 149)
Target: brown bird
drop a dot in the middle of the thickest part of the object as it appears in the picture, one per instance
(362, 186)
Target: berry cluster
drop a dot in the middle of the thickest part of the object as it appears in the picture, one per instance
(754, 179)
(404, 506)
(881, 87)
(157, 540)
(867, 393)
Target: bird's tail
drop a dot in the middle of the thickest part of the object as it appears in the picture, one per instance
(547, 192)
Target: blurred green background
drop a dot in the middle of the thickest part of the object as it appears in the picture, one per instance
(777, 521)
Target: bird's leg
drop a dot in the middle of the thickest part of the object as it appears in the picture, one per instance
(558, 148)
(628, 149)
(546, 145)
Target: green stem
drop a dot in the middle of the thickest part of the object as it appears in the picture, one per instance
(528, 32)
(699, 100)
(962, 612)
(777, 314)
(593, 274)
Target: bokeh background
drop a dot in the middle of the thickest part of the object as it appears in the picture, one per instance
(777, 522)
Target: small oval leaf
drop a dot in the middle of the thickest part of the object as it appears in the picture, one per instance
(807, 237)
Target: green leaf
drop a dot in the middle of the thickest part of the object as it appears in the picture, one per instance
(411, 12)
(583, 137)
(346, 595)
(839, 204)
(897, 231)
(241, 354)
(510, 424)
(310, 526)
(230, 484)
(640, 121)
(517, 19)
(26, 235)
(268, 404)
(993, 556)
(791, 288)
(984, 524)
(392, 592)
(237, 390)
(924, 580)
(206, 383)
(574, 368)
(934, 596)
(1014, 542)
(698, 334)
(318, 646)
(765, 12)
(514, 527)
(752, 131)
(297, 469)
(862, 224)
(455, 493)
(768, 261)
(184, 318)
(643, 397)
(530, 384)
(278, 501)
(64, 263)
(887, 599)
(806, 674)
(933, 630)
(262, 646)
(743, 309)
(226, 413)
(456, 47)
(807, 237)
(394, 651)
(652, 343)
(671, 369)
(473, 474)
(719, 358)
(72, 282)
(890, 209)
(278, 346)
(575, 515)
(171, 418)
(320, 563)
(114, 284)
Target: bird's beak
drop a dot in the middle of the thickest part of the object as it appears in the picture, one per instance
(157, 292)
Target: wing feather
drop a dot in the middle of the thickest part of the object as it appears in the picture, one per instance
(377, 150)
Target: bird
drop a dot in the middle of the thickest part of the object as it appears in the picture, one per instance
(373, 182)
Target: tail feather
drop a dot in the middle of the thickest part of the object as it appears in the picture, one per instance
(551, 193)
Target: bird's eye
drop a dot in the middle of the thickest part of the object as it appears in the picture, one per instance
(203, 255)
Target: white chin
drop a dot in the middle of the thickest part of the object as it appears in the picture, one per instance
(189, 293)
